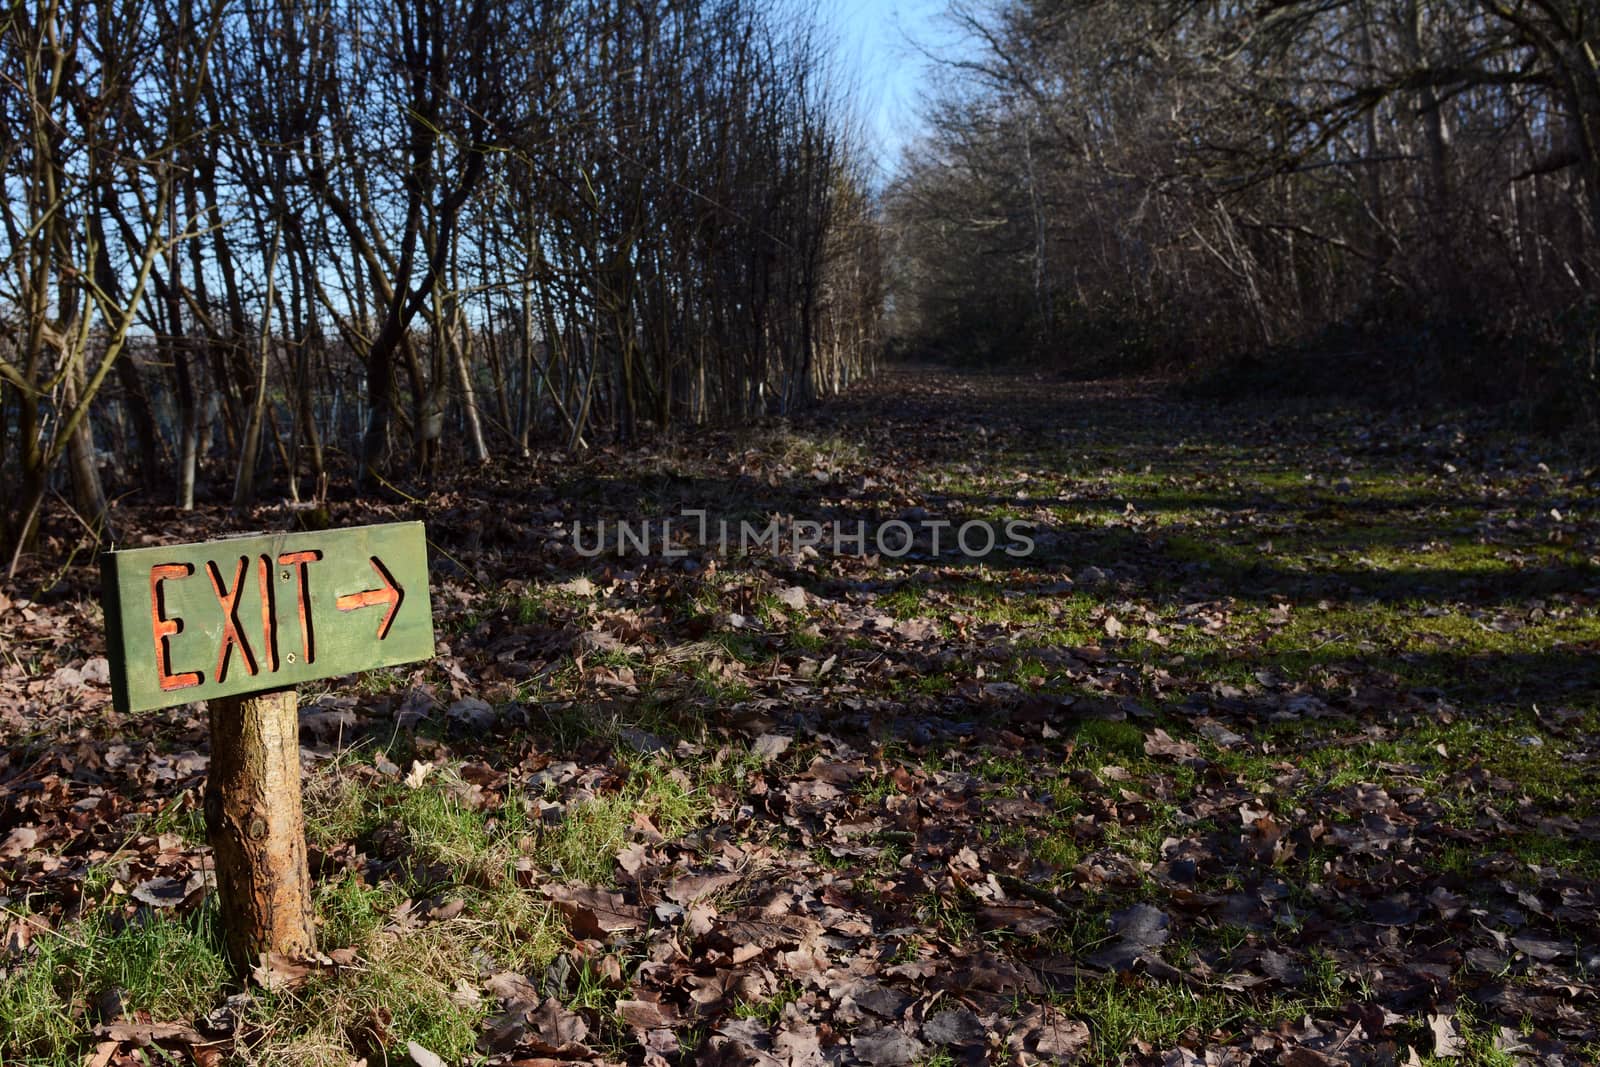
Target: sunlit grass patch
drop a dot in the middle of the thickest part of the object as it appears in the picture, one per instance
(1059, 850)
(411, 986)
(441, 834)
(338, 808)
(805, 639)
(907, 602)
(1121, 1014)
(1006, 770)
(416, 978)
(1110, 738)
(583, 844)
(1123, 1011)
(143, 961)
(947, 914)
(720, 686)
(351, 910)
(739, 647)
(825, 452)
(1517, 857)
(769, 1009)
(182, 815)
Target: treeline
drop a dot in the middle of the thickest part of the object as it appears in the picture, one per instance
(1121, 182)
(248, 240)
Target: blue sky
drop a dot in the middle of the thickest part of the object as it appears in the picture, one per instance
(875, 45)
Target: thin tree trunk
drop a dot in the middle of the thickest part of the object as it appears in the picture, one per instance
(88, 495)
(1372, 177)
(454, 330)
(244, 483)
(1438, 206)
(525, 401)
(188, 429)
(24, 528)
(136, 397)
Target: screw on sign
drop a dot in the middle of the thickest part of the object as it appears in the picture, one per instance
(239, 623)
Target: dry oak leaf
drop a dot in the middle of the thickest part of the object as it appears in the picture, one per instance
(691, 887)
(917, 629)
(513, 988)
(96, 671)
(594, 912)
(771, 746)
(1447, 1040)
(19, 840)
(1139, 929)
(722, 1051)
(959, 1027)
(281, 972)
(749, 927)
(418, 773)
(799, 1046)
(1161, 744)
(149, 1033)
(421, 1057)
(561, 1029)
(579, 586)
(886, 1046)
(633, 857)
(1059, 1037)
(103, 1050)
(1300, 1056)
(161, 892)
(646, 1014)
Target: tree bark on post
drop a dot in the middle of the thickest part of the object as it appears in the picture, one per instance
(256, 827)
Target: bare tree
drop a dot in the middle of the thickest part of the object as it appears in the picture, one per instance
(73, 146)
(1125, 181)
(469, 224)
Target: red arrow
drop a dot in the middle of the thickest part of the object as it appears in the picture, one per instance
(391, 594)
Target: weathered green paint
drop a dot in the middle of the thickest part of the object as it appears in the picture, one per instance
(172, 638)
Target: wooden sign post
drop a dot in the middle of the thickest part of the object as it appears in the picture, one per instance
(239, 623)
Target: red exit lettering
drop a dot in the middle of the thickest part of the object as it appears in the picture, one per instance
(165, 625)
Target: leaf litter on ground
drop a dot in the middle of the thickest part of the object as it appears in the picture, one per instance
(1280, 748)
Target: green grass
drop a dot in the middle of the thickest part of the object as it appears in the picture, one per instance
(906, 602)
(172, 968)
(1122, 1011)
(407, 983)
(1106, 738)
(183, 816)
(769, 1009)
(947, 915)
(404, 989)
(352, 911)
(805, 639)
(583, 845)
(1477, 1034)
(716, 687)
(1120, 1014)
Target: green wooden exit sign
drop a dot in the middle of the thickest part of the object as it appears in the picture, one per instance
(193, 622)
